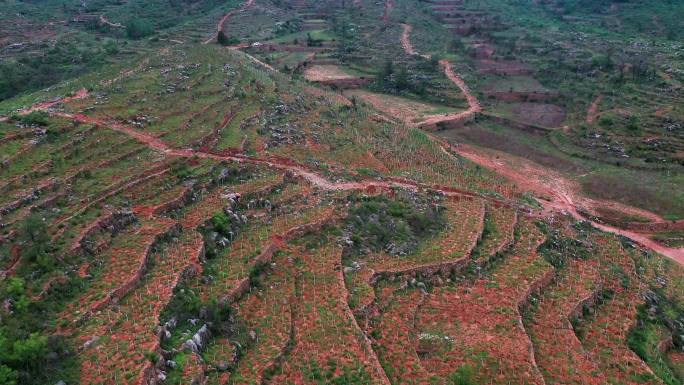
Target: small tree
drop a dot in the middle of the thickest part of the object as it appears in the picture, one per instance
(402, 79)
(138, 28)
(8, 376)
(35, 241)
(222, 38)
(387, 70)
(30, 352)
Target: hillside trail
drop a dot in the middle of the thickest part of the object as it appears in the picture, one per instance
(593, 111)
(105, 21)
(560, 193)
(222, 22)
(474, 106)
(389, 5)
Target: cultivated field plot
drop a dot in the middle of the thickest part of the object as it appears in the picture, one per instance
(392, 192)
(406, 110)
(321, 73)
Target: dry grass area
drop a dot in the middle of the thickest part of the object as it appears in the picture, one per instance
(403, 109)
(321, 73)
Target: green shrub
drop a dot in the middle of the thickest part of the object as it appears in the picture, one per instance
(138, 28)
(222, 39)
(463, 376)
(377, 223)
(221, 223)
(181, 170)
(35, 118)
(35, 242)
(8, 376)
(558, 249)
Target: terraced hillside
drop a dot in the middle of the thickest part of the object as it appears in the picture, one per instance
(339, 192)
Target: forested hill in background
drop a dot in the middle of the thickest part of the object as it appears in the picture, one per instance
(43, 42)
(656, 18)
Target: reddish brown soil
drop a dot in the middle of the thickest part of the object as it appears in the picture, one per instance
(557, 190)
(486, 318)
(503, 67)
(401, 109)
(559, 194)
(131, 332)
(396, 337)
(321, 73)
(323, 319)
(473, 104)
(127, 264)
(560, 354)
(593, 111)
(605, 333)
(545, 115)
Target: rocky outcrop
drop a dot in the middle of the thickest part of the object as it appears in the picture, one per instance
(111, 222)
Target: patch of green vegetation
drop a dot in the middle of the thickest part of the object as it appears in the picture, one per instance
(464, 375)
(395, 225)
(27, 73)
(350, 375)
(645, 339)
(35, 118)
(138, 28)
(28, 354)
(559, 248)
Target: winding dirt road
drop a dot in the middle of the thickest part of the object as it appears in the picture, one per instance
(105, 21)
(222, 22)
(558, 198)
(473, 104)
(406, 41)
(389, 5)
(560, 195)
(593, 111)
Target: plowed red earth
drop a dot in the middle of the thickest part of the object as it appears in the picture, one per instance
(560, 196)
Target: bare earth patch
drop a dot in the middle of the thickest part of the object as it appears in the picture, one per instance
(406, 110)
(322, 73)
(540, 114)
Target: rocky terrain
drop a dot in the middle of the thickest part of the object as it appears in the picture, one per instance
(341, 192)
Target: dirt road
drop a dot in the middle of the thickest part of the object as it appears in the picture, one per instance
(389, 5)
(558, 198)
(593, 111)
(560, 194)
(473, 103)
(105, 21)
(406, 41)
(557, 193)
(219, 26)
